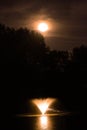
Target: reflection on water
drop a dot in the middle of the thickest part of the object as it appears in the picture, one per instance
(43, 122)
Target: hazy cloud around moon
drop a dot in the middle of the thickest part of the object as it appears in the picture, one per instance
(68, 19)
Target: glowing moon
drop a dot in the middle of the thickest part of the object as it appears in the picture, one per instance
(42, 27)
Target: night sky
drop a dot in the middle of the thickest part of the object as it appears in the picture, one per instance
(67, 19)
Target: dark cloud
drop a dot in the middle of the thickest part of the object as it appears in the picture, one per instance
(68, 17)
(53, 8)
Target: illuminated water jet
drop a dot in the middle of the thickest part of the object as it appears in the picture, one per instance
(43, 104)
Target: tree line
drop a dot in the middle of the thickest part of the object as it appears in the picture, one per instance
(28, 48)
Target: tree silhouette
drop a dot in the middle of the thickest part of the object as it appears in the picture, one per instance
(80, 55)
(27, 48)
(21, 45)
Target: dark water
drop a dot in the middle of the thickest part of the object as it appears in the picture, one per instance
(67, 122)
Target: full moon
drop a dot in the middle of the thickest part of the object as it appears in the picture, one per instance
(42, 27)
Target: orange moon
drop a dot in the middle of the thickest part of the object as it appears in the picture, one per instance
(42, 27)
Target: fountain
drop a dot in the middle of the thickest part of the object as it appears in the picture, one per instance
(43, 104)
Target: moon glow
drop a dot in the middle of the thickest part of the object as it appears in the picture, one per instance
(42, 27)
